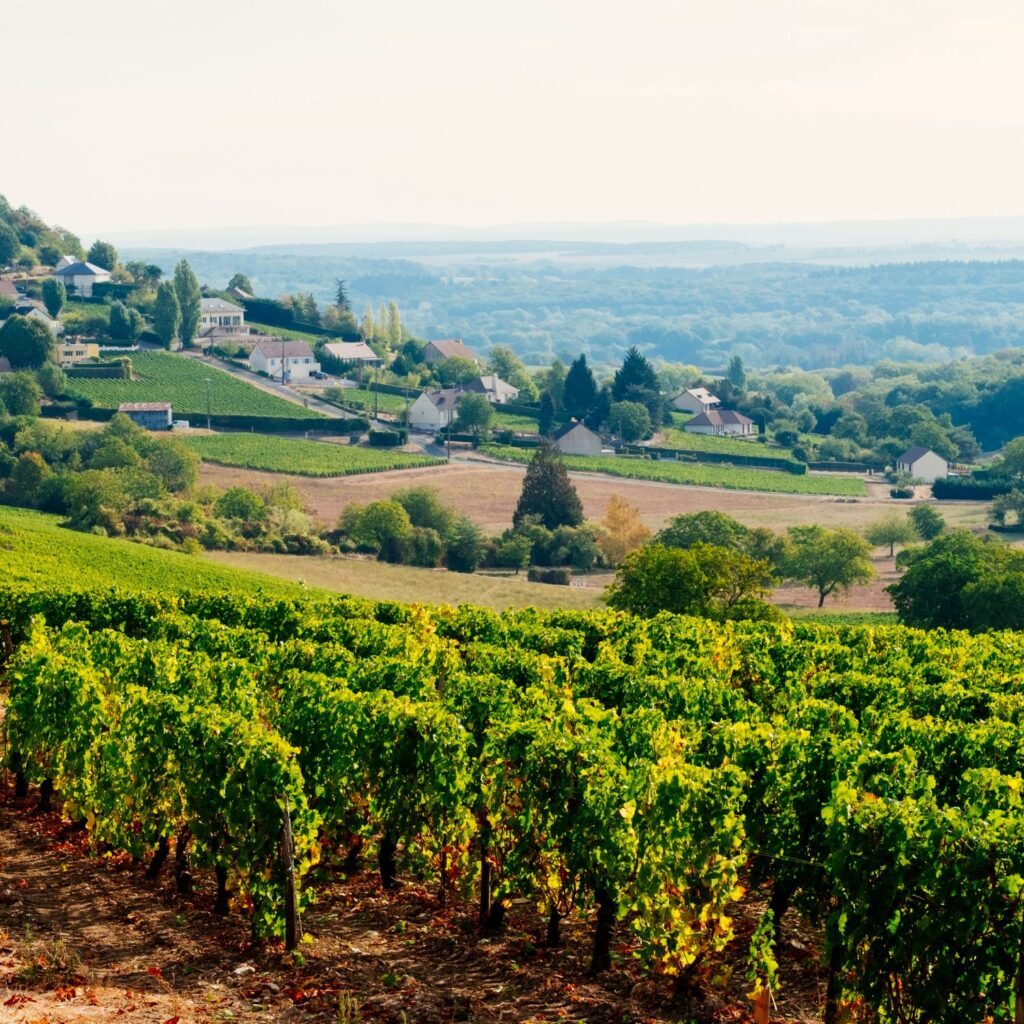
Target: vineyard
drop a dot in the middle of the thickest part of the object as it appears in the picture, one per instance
(697, 474)
(306, 458)
(685, 441)
(163, 377)
(646, 775)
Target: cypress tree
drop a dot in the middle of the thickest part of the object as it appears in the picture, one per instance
(548, 412)
(186, 288)
(166, 314)
(635, 372)
(548, 492)
(580, 391)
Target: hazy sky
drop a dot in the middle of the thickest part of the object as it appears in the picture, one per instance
(129, 114)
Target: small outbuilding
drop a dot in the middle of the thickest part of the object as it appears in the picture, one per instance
(151, 415)
(923, 464)
(577, 438)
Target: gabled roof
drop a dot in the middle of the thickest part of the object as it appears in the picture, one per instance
(144, 407)
(452, 348)
(701, 394)
(349, 350)
(219, 306)
(491, 384)
(718, 418)
(444, 398)
(273, 349)
(82, 270)
(570, 427)
(911, 455)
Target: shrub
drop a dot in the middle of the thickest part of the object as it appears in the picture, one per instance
(558, 577)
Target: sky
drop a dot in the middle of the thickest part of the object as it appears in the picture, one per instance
(155, 115)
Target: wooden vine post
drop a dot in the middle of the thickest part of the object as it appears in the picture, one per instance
(6, 643)
(762, 1006)
(292, 924)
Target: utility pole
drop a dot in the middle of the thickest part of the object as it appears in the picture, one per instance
(207, 403)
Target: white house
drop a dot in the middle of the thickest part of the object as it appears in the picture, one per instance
(922, 464)
(65, 261)
(450, 348)
(719, 422)
(79, 278)
(493, 388)
(34, 311)
(221, 314)
(577, 439)
(435, 410)
(353, 353)
(289, 360)
(695, 400)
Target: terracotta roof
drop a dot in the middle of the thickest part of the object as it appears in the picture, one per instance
(452, 348)
(911, 455)
(718, 418)
(144, 407)
(289, 349)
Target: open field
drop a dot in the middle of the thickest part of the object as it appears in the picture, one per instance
(361, 398)
(306, 458)
(730, 477)
(672, 437)
(34, 548)
(165, 377)
(381, 581)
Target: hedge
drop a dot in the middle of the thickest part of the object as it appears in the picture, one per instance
(847, 467)
(101, 371)
(258, 424)
(688, 455)
(388, 438)
(559, 577)
(970, 488)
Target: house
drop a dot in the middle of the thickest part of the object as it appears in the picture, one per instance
(289, 360)
(221, 314)
(493, 388)
(451, 348)
(719, 422)
(353, 353)
(33, 311)
(435, 410)
(80, 278)
(151, 415)
(5, 365)
(577, 439)
(695, 400)
(922, 464)
(64, 261)
(70, 353)
(238, 293)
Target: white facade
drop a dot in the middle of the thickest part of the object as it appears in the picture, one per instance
(925, 466)
(292, 360)
(726, 423)
(578, 439)
(494, 389)
(79, 278)
(220, 313)
(695, 400)
(434, 410)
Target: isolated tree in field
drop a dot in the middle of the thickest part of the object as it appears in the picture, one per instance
(166, 314)
(548, 492)
(630, 420)
(10, 246)
(621, 531)
(103, 254)
(580, 391)
(186, 288)
(475, 415)
(547, 414)
(54, 296)
(891, 529)
(735, 374)
(828, 560)
(26, 343)
(1013, 457)
(20, 394)
(928, 521)
(241, 282)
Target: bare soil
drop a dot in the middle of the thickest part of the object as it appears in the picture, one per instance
(84, 938)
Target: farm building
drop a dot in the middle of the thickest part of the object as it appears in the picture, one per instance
(577, 439)
(353, 353)
(289, 360)
(434, 410)
(721, 422)
(79, 278)
(450, 348)
(151, 415)
(493, 388)
(922, 464)
(695, 400)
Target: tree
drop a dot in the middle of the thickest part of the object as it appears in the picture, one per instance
(383, 526)
(241, 282)
(707, 527)
(466, 548)
(630, 420)
(186, 289)
(26, 343)
(426, 510)
(929, 434)
(341, 296)
(54, 296)
(475, 415)
(546, 417)
(621, 531)
(456, 370)
(828, 560)
(26, 479)
(394, 327)
(51, 379)
(20, 394)
(166, 314)
(928, 521)
(240, 503)
(509, 367)
(10, 245)
(125, 323)
(1009, 504)
(1013, 457)
(548, 492)
(103, 254)
(580, 390)
(174, 465)
(891, 529)
(636, 381)
(736, 375)
(368, 329)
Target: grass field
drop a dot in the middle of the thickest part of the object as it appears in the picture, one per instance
(675, 438)
(165, 377)
(514, 421)
(361, 398)
(306, 458)
(697, 474)
(34, 548)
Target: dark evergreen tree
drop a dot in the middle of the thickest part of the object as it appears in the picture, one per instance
(736, 374)
(54, 295)
(342, 300)
(598, 416)
(637, 381)
(548, 493)
(548, 412)
(166, 314)
(580, 389)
